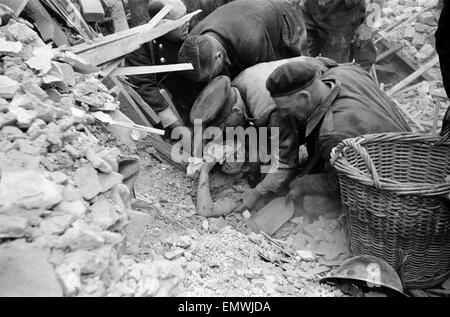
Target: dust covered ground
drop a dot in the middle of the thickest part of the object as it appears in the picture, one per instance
(220, 256)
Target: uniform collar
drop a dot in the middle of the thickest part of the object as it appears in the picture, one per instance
(323, 108)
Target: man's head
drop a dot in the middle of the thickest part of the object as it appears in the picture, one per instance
(296, 89)
(178, 11)
(206, 54)
(219, 105)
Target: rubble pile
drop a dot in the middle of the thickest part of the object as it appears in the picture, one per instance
(421, 102)
(416, 36)
(230, 263)
(63, 208)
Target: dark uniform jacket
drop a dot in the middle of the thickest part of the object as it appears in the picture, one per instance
(443, 45)
(355, 106)
(160, 52)
(256, 31)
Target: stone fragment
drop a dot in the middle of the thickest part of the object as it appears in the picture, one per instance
(135, 230)
(42, 59)
(108, 181)
(57, 224)
(8, 87)
(81, 237)
(216, 224)
(77, 208)
(91, 262)
(306, 255)
(18, 161)
(10, 47)
(173, 254)
(246, 215)
(98, 162)
(25, 272)
(103, 213)
(12, 226)
(69, 275)
(28, 189)
(86, 179)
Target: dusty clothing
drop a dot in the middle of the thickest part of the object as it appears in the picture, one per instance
(354, 107)
(443, 45)
(260, 110)
(160, 52)
(256, 31)
(331, 26)
(207, 7)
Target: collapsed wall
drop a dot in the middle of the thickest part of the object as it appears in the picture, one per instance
(63, 207)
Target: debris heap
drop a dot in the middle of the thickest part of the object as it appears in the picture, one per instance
(63, 207)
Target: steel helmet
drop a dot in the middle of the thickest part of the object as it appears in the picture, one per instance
(375, 272)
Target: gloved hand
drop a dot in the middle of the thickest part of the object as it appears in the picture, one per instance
(249, 200)
(362, 35)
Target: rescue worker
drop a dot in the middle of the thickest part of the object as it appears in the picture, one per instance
(163, 51)
(241, 34)
(336, 29)
(345, 103)
(242, 103)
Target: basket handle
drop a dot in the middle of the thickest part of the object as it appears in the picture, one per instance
(355, 146)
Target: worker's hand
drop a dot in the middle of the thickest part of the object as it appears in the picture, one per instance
(362, 35)
(295, 190)
(249, 200)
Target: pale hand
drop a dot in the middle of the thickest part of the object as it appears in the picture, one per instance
(249, 200)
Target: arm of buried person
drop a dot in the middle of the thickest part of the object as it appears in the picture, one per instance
(206, 207)
(284, 153)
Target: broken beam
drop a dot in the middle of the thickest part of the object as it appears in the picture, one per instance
(143, 70)
(116, 49)
(125, 33)
(92, 10)
(413, 76)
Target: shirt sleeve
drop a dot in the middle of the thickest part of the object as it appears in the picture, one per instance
(148, 84)
(284, 157)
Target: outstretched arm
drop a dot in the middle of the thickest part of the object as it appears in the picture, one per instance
(206, 207)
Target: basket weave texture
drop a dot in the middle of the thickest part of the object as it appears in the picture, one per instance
(393, 193)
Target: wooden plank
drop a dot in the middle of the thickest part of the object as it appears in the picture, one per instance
(125, 33)
(141, 118)
(48, 28)
(390, 51)
(392, 29)
(92, 10)
(116, 49)
(413, 76)
(407, 61)
(385, 69)
(166, 96)
(144, 105)
(143, 70)
(16, 5)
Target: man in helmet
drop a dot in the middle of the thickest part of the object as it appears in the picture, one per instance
(241, 34)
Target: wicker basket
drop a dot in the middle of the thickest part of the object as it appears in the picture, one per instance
(393, 193)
